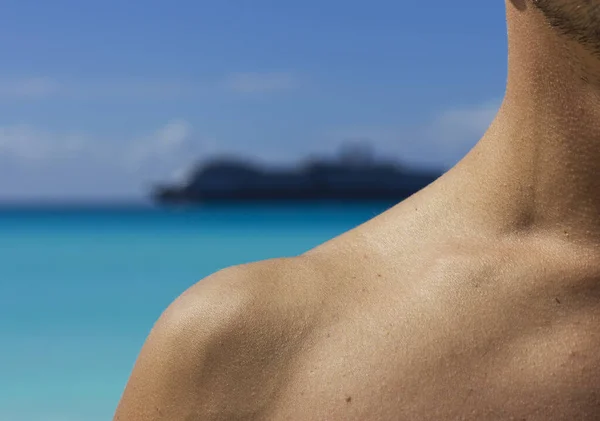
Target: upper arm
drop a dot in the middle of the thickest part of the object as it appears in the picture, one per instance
(215, 354)
(174, 358)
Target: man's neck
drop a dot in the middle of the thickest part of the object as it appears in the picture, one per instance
(538, 165)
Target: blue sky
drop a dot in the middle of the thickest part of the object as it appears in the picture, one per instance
(99, 99)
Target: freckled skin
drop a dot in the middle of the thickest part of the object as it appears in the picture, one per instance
(478, 298)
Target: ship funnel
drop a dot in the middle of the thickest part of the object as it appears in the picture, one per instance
(358, 151)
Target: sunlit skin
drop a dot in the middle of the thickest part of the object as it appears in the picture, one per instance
(478, 298)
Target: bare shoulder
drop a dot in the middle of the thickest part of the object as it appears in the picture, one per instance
(221, 350)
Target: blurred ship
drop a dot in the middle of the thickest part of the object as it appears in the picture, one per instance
(354, 177)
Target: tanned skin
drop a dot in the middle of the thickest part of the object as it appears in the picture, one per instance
(477, 298)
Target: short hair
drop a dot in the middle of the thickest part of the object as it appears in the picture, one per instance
(578, 20)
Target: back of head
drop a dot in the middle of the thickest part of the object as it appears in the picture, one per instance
(578, 20)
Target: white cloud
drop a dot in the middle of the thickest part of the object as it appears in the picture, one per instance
(462, 124)
(138, 89)
(44, 163)
(29, 145)
(441, 142)
(173, 134)
(47, 163)
(36, 88)
(162, 144)
(28, 88)
(454, 132)
(260, 82)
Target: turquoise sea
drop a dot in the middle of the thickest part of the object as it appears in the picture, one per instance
(81, 287)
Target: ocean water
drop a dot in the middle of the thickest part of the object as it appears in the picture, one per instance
(81, 288)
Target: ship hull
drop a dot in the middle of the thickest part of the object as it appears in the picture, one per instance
(174, 196)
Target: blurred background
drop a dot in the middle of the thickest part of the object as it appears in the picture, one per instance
(145, 145)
